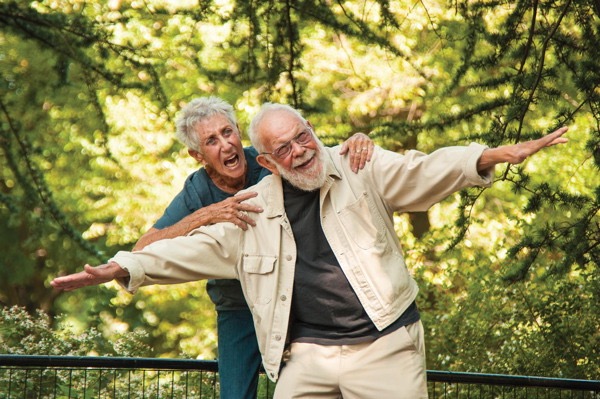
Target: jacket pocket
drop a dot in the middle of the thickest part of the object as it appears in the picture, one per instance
(363, 223)
(258, 278)
(259, 264)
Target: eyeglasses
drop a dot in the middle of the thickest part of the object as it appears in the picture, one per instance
(302, 138)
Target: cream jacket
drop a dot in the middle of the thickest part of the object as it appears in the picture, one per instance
(356, 215)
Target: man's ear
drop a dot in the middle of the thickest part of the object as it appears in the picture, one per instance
(267, 164)
(196, 155)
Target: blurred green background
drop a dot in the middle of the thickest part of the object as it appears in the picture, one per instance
(89, 91)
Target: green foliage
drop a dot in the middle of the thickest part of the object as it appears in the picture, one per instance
(22, 334)
(509, 275)
(531, 328)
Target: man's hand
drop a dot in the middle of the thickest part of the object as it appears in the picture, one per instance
(89, 276)
(518, 153)
(360, 147)
(233, 210)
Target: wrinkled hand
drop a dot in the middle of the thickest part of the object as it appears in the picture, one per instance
(89, 276)
(519, 152)
(233, 210)
(360, 150)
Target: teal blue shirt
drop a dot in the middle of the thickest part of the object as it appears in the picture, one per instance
(200, 191)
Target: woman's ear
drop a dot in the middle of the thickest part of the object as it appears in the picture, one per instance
(267, 164)
(196, 155)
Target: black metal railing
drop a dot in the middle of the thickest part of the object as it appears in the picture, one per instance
(26, 376)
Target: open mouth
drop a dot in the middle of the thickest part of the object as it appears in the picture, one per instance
(232, 161)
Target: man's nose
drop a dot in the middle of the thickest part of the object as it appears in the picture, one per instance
(297, 149)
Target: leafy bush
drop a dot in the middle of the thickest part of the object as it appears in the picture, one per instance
(24, 334)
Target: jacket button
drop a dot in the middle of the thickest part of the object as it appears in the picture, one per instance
(288, 257)
(278, 337)
(283, 297)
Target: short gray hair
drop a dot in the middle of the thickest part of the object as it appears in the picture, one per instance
(268, 108)
(196, 111)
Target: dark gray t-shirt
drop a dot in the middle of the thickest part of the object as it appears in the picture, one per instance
(325, 308)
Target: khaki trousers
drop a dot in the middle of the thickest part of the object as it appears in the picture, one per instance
(391, 367)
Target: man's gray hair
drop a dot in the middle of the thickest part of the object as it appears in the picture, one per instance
(267, 108)
(196, 111)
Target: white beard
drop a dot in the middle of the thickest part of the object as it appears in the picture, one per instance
(310, 179)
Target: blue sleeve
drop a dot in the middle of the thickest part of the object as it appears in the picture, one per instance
(176, 211)
(185, 203)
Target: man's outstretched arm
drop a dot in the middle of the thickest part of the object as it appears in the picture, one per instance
(517, 153)
(90, 276)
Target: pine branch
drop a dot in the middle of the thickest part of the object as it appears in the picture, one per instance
(540, 68)
(41, 189)
(354, 28)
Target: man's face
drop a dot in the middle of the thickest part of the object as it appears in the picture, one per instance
(303, 166)
(221, 149)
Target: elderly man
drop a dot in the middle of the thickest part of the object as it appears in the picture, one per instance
(207, 126)
(322, 269)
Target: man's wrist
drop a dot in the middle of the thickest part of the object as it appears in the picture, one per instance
(490, 157)
(117, 270)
